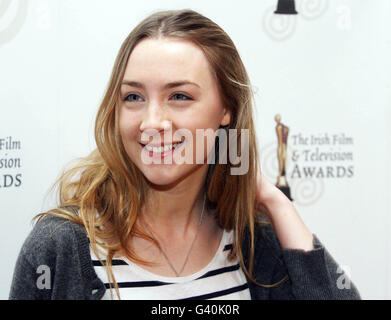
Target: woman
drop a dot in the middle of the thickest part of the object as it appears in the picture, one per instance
(174, 230)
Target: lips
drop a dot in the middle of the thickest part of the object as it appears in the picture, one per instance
(162, 150)
(162, 144)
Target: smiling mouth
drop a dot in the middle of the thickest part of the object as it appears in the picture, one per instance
(162, 148)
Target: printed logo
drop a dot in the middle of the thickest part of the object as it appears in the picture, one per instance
(303, 162)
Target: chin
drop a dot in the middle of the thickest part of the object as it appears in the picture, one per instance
(161, 177)
(169, 176)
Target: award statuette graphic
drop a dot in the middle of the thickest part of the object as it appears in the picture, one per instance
(282, 135)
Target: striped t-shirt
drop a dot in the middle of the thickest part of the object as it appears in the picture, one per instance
(220, 279)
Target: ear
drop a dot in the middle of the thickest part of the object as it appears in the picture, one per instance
(226, 118)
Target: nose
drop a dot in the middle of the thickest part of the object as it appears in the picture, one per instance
(155, 120)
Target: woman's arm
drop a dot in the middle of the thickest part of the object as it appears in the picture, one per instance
(289, 227)
(313, 272)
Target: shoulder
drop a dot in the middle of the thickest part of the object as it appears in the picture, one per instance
(55, 228)
(268, 264)
(61, 247)
(266, 240)
(264, 234)
(51, 236)
(267, 248)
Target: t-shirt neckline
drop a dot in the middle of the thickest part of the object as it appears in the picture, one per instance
(150, 275)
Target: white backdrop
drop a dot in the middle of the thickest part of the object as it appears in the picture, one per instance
(326, 71)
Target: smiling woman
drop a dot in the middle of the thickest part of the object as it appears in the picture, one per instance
(174, 230)
(159, 73)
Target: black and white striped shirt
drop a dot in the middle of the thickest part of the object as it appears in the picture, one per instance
(220, 279)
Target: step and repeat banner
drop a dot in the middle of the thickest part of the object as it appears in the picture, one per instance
(322, 87)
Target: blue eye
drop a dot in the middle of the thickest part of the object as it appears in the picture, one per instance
(182, 96)
(132, 95)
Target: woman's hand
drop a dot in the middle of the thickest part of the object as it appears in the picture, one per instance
(279, 210)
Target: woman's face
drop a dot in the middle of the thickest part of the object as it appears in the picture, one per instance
(168, 89)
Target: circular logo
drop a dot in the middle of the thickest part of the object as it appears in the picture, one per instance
(15, 23)
(312, 9)
(278, 26)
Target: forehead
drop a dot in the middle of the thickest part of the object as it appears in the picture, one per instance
(168, 59)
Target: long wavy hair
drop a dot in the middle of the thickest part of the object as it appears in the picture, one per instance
(105, 190)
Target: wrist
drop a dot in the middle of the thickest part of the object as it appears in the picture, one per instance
(290, 228)
(277, 201)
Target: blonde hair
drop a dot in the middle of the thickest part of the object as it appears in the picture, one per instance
(106, 190)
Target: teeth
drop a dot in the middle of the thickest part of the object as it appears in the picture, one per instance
(161, 149)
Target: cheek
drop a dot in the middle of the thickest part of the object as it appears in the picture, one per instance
(128, 130)
(203, 125)
(200, 142)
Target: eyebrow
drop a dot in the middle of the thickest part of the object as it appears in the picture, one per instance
(166, 86)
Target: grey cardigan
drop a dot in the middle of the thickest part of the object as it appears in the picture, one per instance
(59, 248)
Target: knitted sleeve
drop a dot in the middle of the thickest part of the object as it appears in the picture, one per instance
(312, 275)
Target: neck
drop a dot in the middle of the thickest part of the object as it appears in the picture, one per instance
(175, 209)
